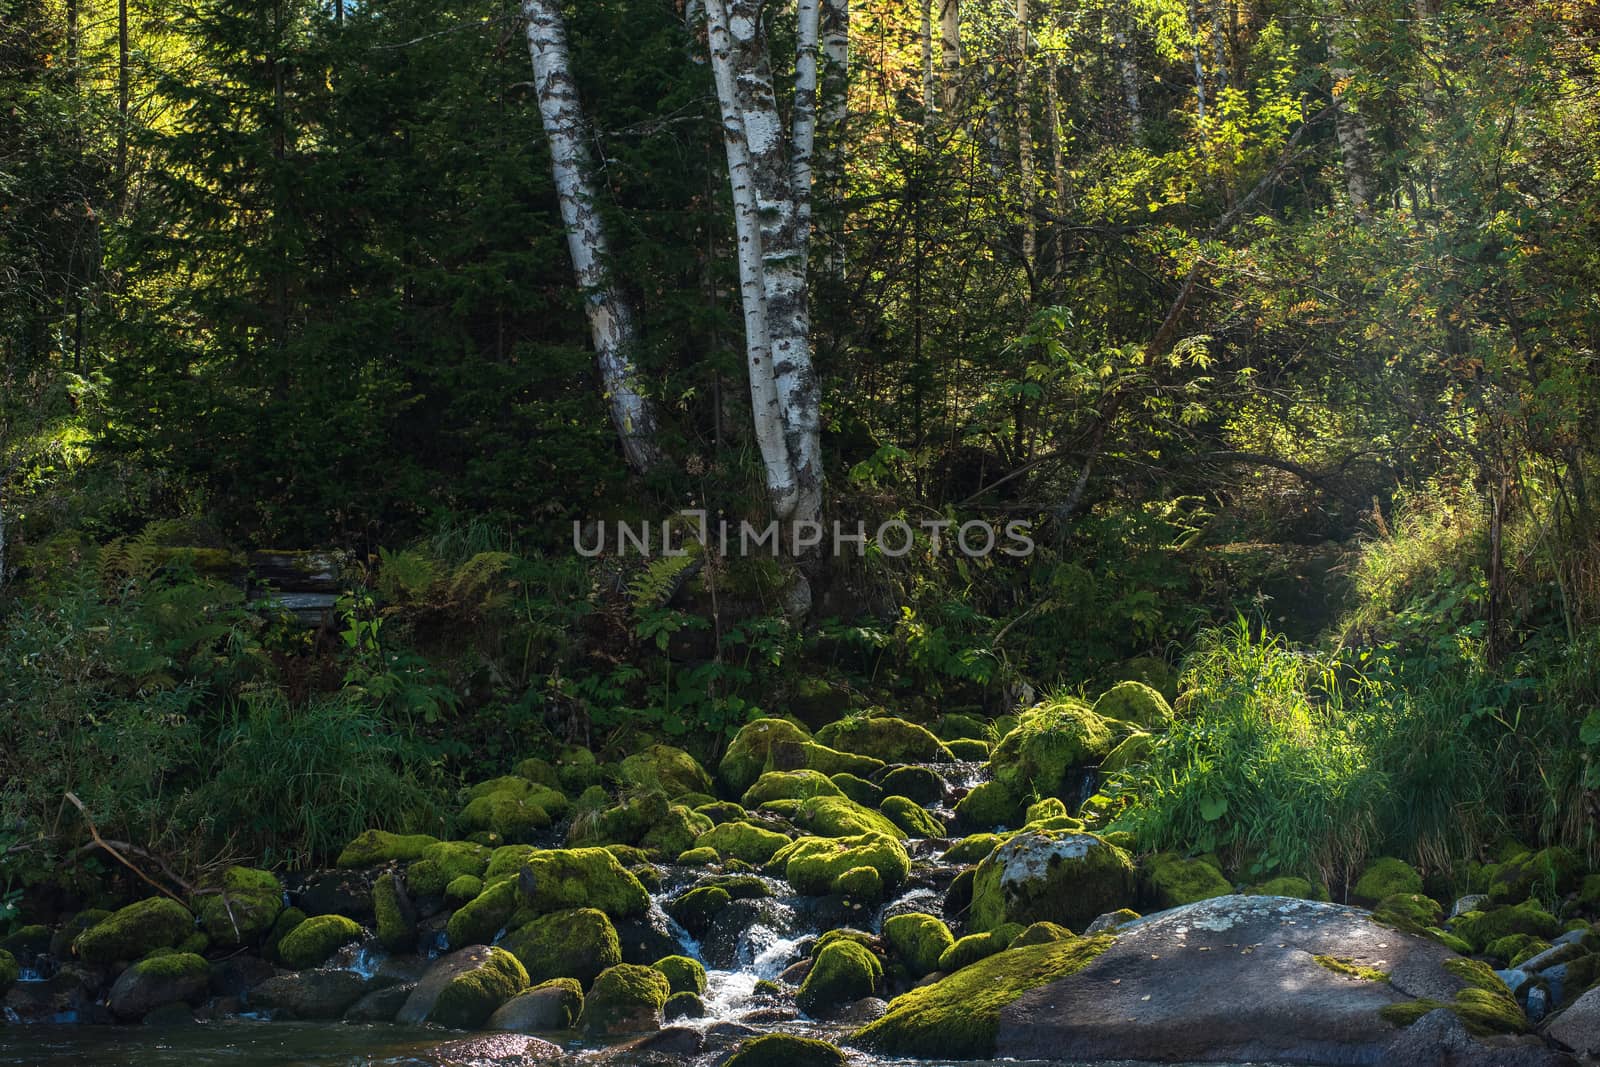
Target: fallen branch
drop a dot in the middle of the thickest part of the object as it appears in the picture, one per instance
(120, 858)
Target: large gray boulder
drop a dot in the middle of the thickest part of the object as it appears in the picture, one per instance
(1234, 978)
(309, 994)
(1578, 1027)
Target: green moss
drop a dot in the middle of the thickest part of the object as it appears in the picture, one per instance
(514, 809)
(374, 847)
(480, 919)
(624, 999)
(312, 942)
(396, 931)
(1384, 877)
(959, 1017)
(1480, 928)
(244, 909)
(10, 970)
(667, 770)
(538, 771)
(972, 849)
(472, 996)
(825, 760)
(968, 750)
(786, 1050)
(917, 940)
(812, 863)
(1535, 948)
(885, 738)
(577, 943)
(1449, 940)
(1048, 808)
(789, 785)
(557, 879)
(1172, 881)
(133, 931)
(842, 817)
(988, 806)
(684, 975)
(462, 889)
(955, 726)
(444, 862)
(1411, 912)
(506, 862)
(31, 940)
(747, 753)
(1351, 969)
(1063, 877)
(1484, 1004)
(695, 909)
(1129, 752)
(172, 965)
(974, 947)
(288, 920)
(1042, 933)
(699, 857)
(739, 886)
(742, 840)
(1050, 742)
(861, 884)
(911, 817)
(1288, 886)
(1137, 703)
(722, 811)
(859, 790)
(842, 972)
(676, 831)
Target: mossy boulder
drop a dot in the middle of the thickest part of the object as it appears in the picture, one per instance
(917, 940)
(665, 769)
(921, 784)
(478, 921)
(1548, 874)
(858, 789)
(695, 909)
(968, 750)
(1479, 928)
(558, 879)
(1051, 742)
(577, 769)
(683, 974)
(1136, 703)
(511, 809)
(746, 757)
(627, 998)
(1483, 1004)
(863, 885)
(1045, 810)
(373, 848)
(1384, 877)
(699, 857)
(912, 818)
(742, 840)
(842, 972)
(722, 811)
(396, 918)
(676, 831)
(1158, 674)
(974, 947)
(539, 771)
(958, 1017)
(1041, 934)
(577, 943)
(242, 909)
(288, 919)
(479, 980)
(808, 755)
(173, 978)
(811, 864)
(1047, 875)
(956, 726)
(462, 889)
(1288, 886)
(135, 931)
(789, 785)
(1129, 752)
(10, 971)
(1170, 880)
(547, 1006)
(314, 941)
(841, 817)
(885, 738)
(1411, 912)
(444, 862)
(27, 942)
(787, 1050)
(990, 806)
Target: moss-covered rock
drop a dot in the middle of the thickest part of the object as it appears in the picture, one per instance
(972, 848)
(1411, 912)
(1480, 928)
(990, 806)
(684, 975)
(1041, 934)
(1288, 886)
(1484, 1004)
(789, 785)
(722, 811)
(473, 995)
(10, 971)
(912, 818)
(512, 809)
(747, 753)
(699, 857)
(546, 1006)
(695, 909)
(665, 769)
(26, 942)
(958, 1017)
(843, 971)
(444, 862)
(968, 750)
(918, 783)
(1170, 880)
(1505, 949)
(626, 998)
(917, 940)
(811, 864)
(1548, 874)
(557, 879)
(288, 919)
(396, 920)
(1050, 743)
(1045, 810)
(242, 909)
(974, 947)
(1137, 703)
(176, 977)
(135, 931)
(372, 848)
(461, 889)
(841, 817)
(676, 831)
(857, 789)
(314, 941)
(742, 840)
(577, 943)
(1129, 752)
(786, 1050)
(538, 771)
(480, 919)
(885, 738)
(1059, 876)
(1384, 877)
(864, 885)
(808, 755)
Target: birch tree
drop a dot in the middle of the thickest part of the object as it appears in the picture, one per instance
(612, 322)
(1350, 127)
(950, 51)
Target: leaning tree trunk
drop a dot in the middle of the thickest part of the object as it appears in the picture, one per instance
(612, 324)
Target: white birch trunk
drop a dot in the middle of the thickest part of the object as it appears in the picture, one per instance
(1128, 72)
(834, 110)
(1355, 146)
(612, 324)
(950, 51)
(929, 86)
(1030, 227)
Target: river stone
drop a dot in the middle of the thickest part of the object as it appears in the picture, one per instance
(493, 1050)
(380, 1005)
(555, 1005)
(181, 977)
(498, 971)
(1439, 1039)
(1231, 979)
(335, 892)
(309, 994)
(1578, 1027)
